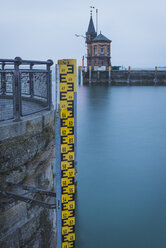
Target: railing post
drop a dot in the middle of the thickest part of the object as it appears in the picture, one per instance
(3, 80)
(49, 83)
(56, 87)
(17, 108)
(31, 81)
(57, 73)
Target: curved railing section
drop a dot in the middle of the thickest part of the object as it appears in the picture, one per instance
(25, 87)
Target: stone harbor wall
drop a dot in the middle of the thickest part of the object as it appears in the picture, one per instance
(133, 77)
(27, 157)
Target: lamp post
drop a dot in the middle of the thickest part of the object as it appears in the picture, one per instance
(79, 35)
(82, 36)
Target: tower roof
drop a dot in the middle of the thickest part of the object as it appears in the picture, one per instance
(101, 37)
(91, 28)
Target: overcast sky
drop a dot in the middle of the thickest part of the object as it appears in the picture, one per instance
(43, 29)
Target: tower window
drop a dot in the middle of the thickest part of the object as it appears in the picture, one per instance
(89, 51)
(95, 50)
(108, 51)
(101, 49)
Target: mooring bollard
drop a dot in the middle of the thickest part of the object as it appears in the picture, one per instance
(79, 74)
(98, 75)
(128, 80)
(155, 76)
(109, 74)
(90, 74)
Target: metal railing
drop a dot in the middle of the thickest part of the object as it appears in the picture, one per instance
(25, 87)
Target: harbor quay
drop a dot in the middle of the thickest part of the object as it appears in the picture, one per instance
(27, 154)
(124, 77)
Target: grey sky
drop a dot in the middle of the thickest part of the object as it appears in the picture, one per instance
(38, 29)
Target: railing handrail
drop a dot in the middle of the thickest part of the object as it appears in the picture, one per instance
(24, 70)
(27, 62)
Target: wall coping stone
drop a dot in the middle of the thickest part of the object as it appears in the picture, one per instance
(28, 125)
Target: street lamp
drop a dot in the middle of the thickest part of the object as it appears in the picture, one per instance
(79, 35)
(82, 36)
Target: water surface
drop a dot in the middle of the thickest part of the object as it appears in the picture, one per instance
(121, 200)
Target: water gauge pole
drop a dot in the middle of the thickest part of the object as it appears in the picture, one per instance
(66, 154)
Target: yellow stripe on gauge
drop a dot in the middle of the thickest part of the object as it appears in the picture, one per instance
(64, 148)
(65, 245)
(71, 221)
(71, 205)
(70, 96)
(71, 172)
(65, 198)
(64, 131)
(65, 214)
(63, 87)
(64, 182)
(65, 230)
(64, 113)
(63, 105)
(64, 165)
(70, 139)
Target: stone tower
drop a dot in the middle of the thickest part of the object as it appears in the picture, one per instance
(98, 48)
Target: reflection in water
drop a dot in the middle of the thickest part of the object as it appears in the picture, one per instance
(121, 201)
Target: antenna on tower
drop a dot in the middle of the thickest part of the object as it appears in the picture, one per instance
(91, 7)
(96, 20)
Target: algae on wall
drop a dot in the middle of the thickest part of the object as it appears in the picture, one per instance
(28, 159)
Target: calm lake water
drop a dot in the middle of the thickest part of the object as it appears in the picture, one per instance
(121, 201)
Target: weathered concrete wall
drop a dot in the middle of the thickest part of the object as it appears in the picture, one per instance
(127, 77)
(26, 157)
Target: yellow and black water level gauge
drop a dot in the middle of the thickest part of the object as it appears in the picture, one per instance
(65, 132)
